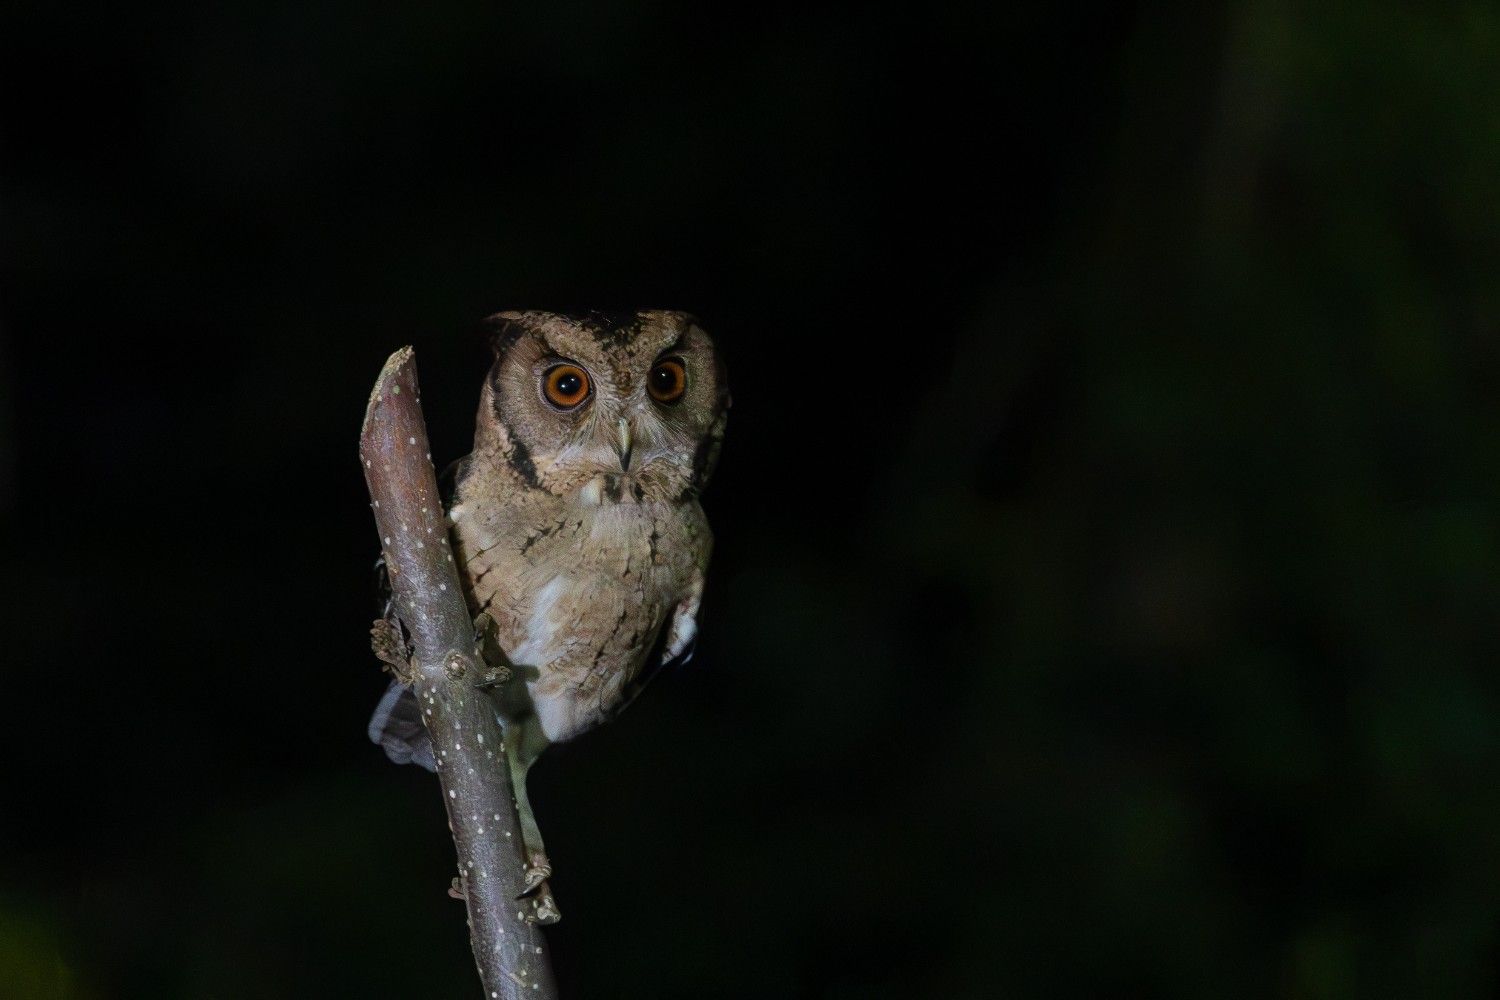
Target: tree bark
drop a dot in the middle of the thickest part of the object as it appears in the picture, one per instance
(447, 670)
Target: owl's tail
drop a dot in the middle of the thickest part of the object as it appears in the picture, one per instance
(397, 728)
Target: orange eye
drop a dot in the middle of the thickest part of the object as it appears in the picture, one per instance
(565, 385)
(668, 381)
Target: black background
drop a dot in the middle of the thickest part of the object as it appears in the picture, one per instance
(1105, 594)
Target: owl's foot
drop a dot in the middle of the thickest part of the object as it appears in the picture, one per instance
(537, 872)
(543, 907)
(388, 643)
(497, 668)
(538, 892)
(539, 898)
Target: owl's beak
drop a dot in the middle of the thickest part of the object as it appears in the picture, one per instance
(625, 445)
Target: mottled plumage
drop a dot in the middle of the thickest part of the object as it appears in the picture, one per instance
(576, 519)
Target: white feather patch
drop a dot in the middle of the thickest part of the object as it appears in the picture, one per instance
(537, 649)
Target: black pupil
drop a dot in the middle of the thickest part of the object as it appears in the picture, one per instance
(569, 383)
(665, 379)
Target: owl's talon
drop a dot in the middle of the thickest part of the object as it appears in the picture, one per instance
(497, 670)
(536, 874)
(388, 643)
(544, 909)
(456, 890)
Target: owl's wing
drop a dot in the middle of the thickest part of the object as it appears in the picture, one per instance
(682, 627)
(673, 648)
(396, 727)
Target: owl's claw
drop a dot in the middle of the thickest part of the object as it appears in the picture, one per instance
(388, 642)
(536, 873)
(544, 908)
(497, 669)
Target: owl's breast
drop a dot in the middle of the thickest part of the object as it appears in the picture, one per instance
(580, 596)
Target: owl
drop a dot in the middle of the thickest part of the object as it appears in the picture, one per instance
(576, 524)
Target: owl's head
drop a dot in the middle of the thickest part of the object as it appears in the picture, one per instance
(606, 409)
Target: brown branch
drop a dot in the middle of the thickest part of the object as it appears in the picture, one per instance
(447, 666)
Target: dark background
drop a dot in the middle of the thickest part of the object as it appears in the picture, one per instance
(1105, 594)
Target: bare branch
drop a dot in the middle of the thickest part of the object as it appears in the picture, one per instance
(447, 666)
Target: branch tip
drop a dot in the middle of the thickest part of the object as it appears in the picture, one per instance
(389, 383)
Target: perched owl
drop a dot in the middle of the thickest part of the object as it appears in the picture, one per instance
(577, 526)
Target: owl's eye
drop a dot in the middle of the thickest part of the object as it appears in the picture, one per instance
(565, 385)
(668, 381)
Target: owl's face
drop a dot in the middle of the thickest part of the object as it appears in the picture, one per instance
(603, 409)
